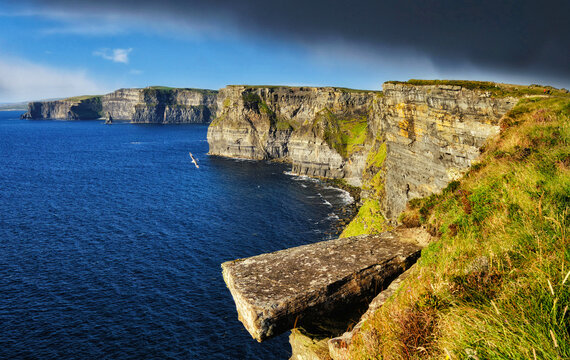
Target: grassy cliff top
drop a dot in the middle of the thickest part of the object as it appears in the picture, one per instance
(82, 97)
(496, 282)
(343, 89)
(168, 88)
(496, 89)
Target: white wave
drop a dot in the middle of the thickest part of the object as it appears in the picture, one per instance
(344, 195)
(298, 177)
(333, 216)
(325, 201)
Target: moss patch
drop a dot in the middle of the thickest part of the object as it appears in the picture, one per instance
(373, 175)
(369, 220)
(345, 133)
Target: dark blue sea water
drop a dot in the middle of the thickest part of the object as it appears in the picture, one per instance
(111, 240)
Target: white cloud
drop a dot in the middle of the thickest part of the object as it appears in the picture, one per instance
(115, 55)
(135, 72)
(21, 80)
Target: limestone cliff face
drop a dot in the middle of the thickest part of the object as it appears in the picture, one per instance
(407, 142)
(433, 133)
(65, 109)
(303, 125)
(120, 104)
(148, 105)
(174, 106)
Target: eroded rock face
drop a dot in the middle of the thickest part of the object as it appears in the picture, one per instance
(433, 134)
(148, 105)
(120, 104)
(174, 106)
(287, 123)
(87, 109)
(273, 292)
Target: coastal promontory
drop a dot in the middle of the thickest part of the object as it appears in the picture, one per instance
(153, 105)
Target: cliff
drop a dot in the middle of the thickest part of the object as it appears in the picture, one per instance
(433, 133)
(321, 131)
(78, 108)
(168, 106)
(499, 261)
(149, 105)
(498, 252)
(406, 142)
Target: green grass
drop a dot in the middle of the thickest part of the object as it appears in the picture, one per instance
(369, 220)
(373, 174)
(353, 134)
(263, 86)
(168, 88)
(342, 89)
(496, 89)
(283, 125)
(495, 283)
(346, 134)
(82, 98)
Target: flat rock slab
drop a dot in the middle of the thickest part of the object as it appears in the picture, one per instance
(276, 292)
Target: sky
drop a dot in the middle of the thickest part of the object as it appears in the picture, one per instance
(60, 48)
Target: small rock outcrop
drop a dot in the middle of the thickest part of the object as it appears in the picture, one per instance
(294, 287)
(108, 119)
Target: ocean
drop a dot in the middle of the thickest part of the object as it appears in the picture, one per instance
(111, 240)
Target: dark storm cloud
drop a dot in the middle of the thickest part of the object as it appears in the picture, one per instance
(512, 35)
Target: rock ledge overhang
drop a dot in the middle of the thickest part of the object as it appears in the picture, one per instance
(277, 291)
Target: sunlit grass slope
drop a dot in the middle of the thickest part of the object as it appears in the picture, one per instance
(496, 282)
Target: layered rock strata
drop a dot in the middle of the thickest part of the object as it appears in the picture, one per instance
(418, 139)
(433, 133)
(430, 133)
(71, 109)
(149, 105)
(294, 287)
(306, 126)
